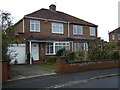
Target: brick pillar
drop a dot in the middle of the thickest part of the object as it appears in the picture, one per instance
(4, 72)
(60, 63)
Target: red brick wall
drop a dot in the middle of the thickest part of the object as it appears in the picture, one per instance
(46, 29)
(115, 40)
(4, 72)
(86, 32)
(63, 67)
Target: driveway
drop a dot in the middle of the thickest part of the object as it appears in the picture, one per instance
(27, 71)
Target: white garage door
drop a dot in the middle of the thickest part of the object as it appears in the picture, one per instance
(17, 52)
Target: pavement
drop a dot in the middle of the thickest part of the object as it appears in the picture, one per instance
(28, 71)
(65, 80)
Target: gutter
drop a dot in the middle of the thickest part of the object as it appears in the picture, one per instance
(45, 19)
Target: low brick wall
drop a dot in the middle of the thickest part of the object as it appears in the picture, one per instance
(63, 67)
(4, 72)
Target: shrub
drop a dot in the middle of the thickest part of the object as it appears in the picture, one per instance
(71, 56)
(115, 55)
(61, 52)
(52, 59)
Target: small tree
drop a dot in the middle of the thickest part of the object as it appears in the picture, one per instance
(6, 24)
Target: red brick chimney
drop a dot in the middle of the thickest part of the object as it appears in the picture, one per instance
(52, 7)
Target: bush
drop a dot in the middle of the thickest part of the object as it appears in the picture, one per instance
(61, 52)
(115, 55)
(71, 56)
(52, 59)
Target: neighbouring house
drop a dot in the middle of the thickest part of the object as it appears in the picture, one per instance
(114, 36)
(46, 31)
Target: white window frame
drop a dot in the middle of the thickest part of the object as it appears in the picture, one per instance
(118, 36)
(84, 48)
(57, 28)
(113, 37)
(92, 31)
(34, 22)
(77, 29)
(54, 45)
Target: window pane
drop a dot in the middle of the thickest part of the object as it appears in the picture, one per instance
(56, 49)
(31, 21)
(32, 26)
(37, 27)
(92, 31)
(51, 49)
(118, 36)
(47, 49)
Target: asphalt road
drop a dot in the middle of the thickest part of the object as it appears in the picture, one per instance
(109, 82)
(75, 80)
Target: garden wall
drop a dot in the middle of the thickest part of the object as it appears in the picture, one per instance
(64, 67)
(4, 72)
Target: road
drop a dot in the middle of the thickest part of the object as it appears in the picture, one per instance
(109, 82)
(85, 79)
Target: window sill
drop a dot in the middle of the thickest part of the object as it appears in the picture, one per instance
(50, 54)
(35, 31)
(78, 34)
(58, 33)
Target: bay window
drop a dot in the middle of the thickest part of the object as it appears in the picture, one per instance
(52, 48)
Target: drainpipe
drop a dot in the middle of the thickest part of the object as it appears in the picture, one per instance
(68, 29)
(23, 25)
(72, 46)
(30, 53)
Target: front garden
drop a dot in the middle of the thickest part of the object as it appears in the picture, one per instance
(106, 51)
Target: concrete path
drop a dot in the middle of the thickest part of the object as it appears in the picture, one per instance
(27, 71)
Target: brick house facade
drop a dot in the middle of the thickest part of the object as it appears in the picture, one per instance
(46, 31)
(114, 36)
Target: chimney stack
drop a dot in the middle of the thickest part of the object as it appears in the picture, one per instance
(52, 7)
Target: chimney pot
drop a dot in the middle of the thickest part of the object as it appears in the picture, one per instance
(52, 7)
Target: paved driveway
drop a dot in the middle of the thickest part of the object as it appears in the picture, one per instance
(27, 71)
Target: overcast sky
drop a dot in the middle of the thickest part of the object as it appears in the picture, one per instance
(103, 13)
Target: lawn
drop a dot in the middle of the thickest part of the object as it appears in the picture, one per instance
(48, 66)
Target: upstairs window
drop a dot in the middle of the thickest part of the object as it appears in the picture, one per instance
(92, 31)
(34, 26)
(113, 37)
(118, 36)
(77, 30)
(57, 28)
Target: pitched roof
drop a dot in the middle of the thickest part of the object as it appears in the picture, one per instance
(115, 31)
(57, 15)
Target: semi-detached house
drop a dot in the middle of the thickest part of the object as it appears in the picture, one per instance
(46, 31)
(114, 36)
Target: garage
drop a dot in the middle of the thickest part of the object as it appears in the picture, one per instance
(17, 54)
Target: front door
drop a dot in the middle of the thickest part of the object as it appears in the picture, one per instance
(35, 51)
